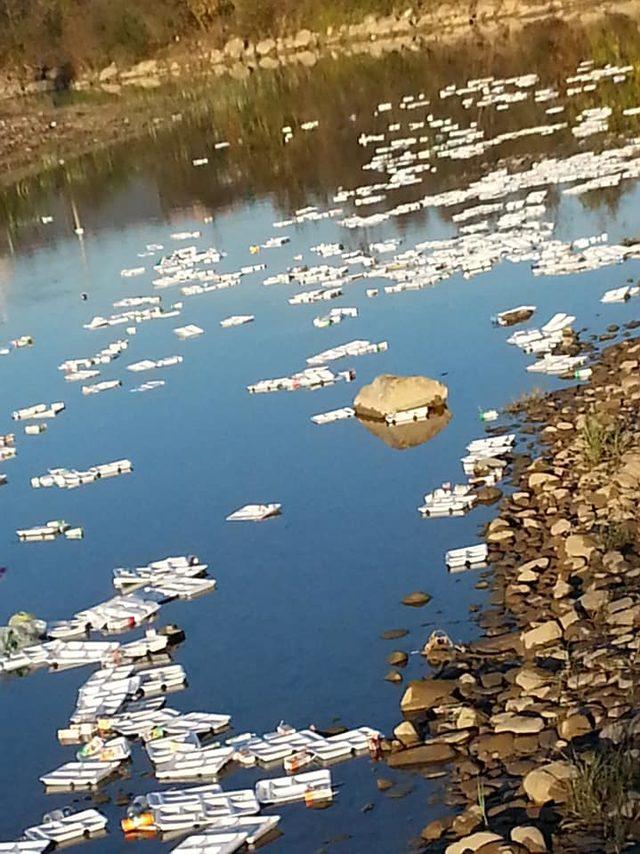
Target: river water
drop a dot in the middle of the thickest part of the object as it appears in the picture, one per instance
(293, 630)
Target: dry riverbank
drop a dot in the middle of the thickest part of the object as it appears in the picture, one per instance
(40, 127)
(538, 720)
(39, 53)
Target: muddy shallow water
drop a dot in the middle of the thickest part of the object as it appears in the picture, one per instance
(293, 630)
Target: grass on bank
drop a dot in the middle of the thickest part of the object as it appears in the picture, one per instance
(616, 536)
(95, 32)
(603, 441)
(600, 789)
(524, 401)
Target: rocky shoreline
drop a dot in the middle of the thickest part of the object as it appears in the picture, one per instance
(536, 722)
(411, 27)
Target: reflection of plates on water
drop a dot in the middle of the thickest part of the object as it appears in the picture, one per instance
(402, 436)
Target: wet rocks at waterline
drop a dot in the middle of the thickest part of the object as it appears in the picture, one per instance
(531, 718)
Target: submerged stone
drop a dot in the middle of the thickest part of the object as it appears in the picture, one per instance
(416, 599)
(394, 634)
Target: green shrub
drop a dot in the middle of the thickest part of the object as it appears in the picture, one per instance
(602, 440)
(600, 787)
(616, 536)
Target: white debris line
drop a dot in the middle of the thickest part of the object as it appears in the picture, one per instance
(212, 842)
(83, 369)
(470, 557)
(183, 757)
(107, 692)
(484, 464)
(98, 388)
(185, 235)
(7, 453)
(236, 320)
(154, 364)
(544, 341)
(217, 282)
(159, 582)
(145, 725)
(318, 295)
(185, 809)
(336, 315)
(31, 430)
(328, 250)
(171, 568)
(132, 316)
(407, 416)
(312, 787)
(25, 846)
(309, 214)
(38, 410)
(60, 827)
(352, 348)
(620, 294)
(310, 378)
(50, 531)
(297, 748)
(255, 513)
(71, 478)
(149, 386)
(136, 302)
(493, 449)
(190, 331)
(187, 266)
(448, 500)
(74, 776)
(341, 414)
(558, 365)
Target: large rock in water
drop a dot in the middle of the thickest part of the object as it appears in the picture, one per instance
(389, 394)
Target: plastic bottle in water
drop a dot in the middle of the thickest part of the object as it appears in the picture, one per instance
(582, 374)
(489, 415)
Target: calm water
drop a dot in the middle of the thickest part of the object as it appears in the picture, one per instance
(292, 632)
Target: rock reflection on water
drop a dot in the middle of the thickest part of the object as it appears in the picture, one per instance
(403, 436)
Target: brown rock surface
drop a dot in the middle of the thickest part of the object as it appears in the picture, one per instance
(422, 754)
(542, 635)
(548, 782)
(388, 394)
(422, 694)
(531, 838)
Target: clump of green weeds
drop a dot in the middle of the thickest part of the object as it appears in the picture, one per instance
(616, 536)
(524, 401)
(600, 787)
(603, 441)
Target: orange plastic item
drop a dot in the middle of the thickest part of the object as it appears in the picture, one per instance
(144, 821)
